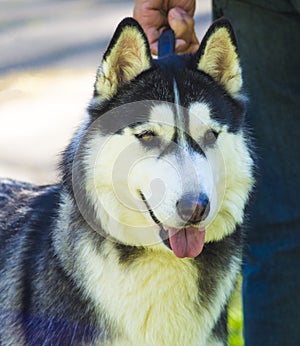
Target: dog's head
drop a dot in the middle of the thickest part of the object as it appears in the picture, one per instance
(164, 155)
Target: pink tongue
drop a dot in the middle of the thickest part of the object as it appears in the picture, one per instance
(186, 242)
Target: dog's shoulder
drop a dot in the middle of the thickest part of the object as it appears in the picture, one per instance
(23, 203)
(13, 193)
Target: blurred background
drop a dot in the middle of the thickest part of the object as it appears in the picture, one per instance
(49, 53)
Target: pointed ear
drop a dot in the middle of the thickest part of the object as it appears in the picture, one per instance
(218, 57)
(127, 56)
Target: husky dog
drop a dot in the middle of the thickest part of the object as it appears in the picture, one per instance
(140, 243)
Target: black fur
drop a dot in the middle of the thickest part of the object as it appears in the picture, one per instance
(44, 305)
(51, 307)
(42, 301)
(195, 85)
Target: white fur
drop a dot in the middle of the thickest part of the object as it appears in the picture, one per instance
(154, 301)
(215, 342)
(119, 168)
(232, 167)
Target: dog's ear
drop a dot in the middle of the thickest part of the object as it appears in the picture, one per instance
(127, 55)
(218, 56)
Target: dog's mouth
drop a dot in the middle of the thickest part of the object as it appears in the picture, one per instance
(187, 241)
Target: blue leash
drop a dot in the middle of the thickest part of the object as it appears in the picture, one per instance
(166, 43)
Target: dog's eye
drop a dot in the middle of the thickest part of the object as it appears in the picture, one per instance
(146, 136)
(210, 137)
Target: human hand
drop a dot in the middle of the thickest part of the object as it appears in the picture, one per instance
(155, 15)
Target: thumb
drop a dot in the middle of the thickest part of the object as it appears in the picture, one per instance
(183, 25)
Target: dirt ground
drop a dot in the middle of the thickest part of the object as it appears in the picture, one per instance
(50, 51)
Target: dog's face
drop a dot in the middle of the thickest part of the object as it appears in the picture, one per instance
(165, 156)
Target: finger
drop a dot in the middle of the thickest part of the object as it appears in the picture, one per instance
(183, 25)
(152, 19)
(188, 6)
(153, 35)
(154, 48)
(183, 47)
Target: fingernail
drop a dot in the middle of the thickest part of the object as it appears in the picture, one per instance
(177, 12)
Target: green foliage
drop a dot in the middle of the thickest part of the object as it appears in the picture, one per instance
(235, 318)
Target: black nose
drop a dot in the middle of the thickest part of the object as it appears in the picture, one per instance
(193, 209)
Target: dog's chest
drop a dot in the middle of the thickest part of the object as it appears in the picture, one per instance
(154, 300)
